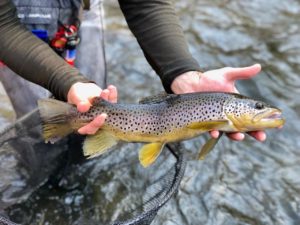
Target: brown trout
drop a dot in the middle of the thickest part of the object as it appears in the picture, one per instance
(159, 120)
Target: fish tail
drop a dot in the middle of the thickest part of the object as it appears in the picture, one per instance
(56, 117)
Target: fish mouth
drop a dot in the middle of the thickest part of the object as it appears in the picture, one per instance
(268, 115)
(269, 119)
(275, 115)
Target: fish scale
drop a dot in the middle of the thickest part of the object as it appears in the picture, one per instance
(174, 115)
(158, 120)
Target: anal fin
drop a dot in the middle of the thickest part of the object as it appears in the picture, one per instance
(149, 153)
(98, 144)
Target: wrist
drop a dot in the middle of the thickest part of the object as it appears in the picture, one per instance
(186, 82)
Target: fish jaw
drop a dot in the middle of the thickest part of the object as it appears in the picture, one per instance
(271, 118)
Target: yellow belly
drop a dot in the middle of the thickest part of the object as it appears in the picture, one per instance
(173, 136)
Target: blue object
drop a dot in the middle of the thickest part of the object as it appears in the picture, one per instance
(42, 34)
(70, 54)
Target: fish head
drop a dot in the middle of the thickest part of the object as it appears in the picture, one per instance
(250, 115)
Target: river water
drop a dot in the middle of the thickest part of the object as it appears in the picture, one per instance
(239, 182)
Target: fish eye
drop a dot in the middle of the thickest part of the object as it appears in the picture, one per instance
(259, 105)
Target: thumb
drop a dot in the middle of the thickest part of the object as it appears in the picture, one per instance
(241, 73)
(83, 106)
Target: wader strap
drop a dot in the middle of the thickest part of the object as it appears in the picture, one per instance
(86, 4)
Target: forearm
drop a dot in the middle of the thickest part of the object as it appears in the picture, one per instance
(31, 58)
(157, 29)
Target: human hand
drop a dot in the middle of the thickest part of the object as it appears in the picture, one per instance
(222, 80)
(81, 95)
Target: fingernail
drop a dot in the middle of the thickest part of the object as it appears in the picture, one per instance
(257, 64)
(263, 137)
(242, 136)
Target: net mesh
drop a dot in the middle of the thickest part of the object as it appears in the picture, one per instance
(5, 221)
(23, 139)
(159, 192)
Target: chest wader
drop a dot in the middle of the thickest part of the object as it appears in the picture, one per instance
(26, 161)
(46, 18)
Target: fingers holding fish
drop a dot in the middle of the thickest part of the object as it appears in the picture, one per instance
(83, 106)
(258, 135)
(214, 133)
(113, 94)
(104, 94)
(236, 136)
(110, 94)
(82, 95)
(93, 127)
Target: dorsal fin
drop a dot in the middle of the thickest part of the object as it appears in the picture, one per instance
(98, 101)
(157, 98)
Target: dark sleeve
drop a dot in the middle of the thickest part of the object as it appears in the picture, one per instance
(156, 27)
(31, 58)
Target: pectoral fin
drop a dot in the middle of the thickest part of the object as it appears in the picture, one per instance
(207, 125)
(208, 146)
(99, 143)
(149, 153)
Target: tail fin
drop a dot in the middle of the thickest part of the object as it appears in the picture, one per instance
(56, 117)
